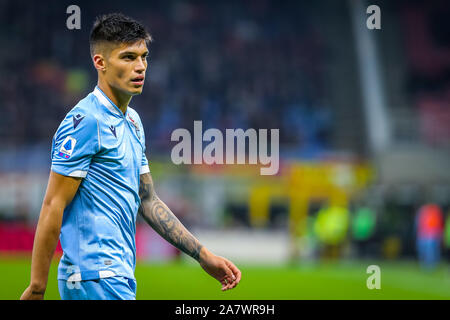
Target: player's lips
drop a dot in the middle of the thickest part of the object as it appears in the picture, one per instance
(138, 80)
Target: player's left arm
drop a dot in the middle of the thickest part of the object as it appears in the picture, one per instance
(156, 213)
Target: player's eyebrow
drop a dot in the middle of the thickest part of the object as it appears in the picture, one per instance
(133, 53)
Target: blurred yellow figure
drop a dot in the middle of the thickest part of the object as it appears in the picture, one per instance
(331, 228)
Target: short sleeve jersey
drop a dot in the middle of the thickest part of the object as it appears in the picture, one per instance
(105, 147)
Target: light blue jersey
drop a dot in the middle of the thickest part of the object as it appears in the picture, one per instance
(106, 148)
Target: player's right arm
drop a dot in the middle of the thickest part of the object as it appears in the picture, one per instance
(60, 192)
(75, 143)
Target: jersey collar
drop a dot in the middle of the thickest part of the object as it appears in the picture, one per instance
(103, 98)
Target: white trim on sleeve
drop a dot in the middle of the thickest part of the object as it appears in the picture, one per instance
(144, 169)
(78, 174)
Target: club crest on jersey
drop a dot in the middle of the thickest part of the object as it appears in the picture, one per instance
(67, 147)
(136, 126)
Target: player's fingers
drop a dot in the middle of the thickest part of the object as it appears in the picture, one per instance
(238, 275)
(225, 284)
(236, 272)
(229, 276)
(229, 271)
(235, 282)
(229, 280)
(232, 275)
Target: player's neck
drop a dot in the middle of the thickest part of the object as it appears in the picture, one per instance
(118, 98)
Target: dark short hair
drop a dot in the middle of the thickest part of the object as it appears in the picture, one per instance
(117, 27)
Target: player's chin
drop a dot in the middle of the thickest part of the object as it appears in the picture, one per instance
(135, 89)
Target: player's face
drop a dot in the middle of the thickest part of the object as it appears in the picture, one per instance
(126, 66)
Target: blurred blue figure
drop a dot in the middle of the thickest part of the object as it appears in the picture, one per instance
(429, 225)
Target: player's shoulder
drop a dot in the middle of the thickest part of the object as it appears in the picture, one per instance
(89, 106)
(83, 114)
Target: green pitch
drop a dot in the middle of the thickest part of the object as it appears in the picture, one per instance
(181, 280)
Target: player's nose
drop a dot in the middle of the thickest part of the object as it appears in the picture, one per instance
(140, 66)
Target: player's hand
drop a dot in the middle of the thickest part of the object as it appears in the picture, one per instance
(30, 294)
(220, 268)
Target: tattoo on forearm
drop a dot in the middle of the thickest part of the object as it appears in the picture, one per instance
(38, 292)
(162, 220)
(146, 192)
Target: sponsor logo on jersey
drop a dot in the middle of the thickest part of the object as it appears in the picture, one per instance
(76, 120)
(113, 130)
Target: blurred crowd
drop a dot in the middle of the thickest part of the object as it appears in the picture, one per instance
(427, 49)
(249, 64)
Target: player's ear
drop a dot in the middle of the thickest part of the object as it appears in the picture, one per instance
(99, 62)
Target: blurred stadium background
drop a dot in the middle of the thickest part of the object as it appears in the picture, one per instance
(364, 120)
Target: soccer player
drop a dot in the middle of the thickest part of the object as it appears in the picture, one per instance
(100, 179)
